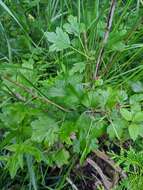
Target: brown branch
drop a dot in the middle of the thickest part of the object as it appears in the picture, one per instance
(106, 182)
(104, 157)
(105, 39)
(29, 91)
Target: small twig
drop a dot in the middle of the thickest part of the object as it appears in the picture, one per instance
(105, 39)
(71, 183)
(110, 162)
(26, 89)
(105, 180)
(16, 95)
(97, 182)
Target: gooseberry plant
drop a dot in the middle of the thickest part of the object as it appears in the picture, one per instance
(52, 119)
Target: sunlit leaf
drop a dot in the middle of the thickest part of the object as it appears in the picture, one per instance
(59, 39)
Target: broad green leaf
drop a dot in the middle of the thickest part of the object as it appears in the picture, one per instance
(136, 98)
(60, 40)
(138, 117)
(127, 115)
(104, 97)
(61, 157)
(35, 152)
(44, 129)
(73, 27)
(141, 130)
(135, 108)
(84, 127)
(16, 160)
(99, 128)
(13, 115)
(122, 95)
(56, 92)
(73, 94)
(14, 163)
(112, 131)
(85, 100)
(112, 98)
(99, 82)
(116, 42)
(76, 146)
(134, 131)
(29, 72)
(66, 130)
(119, 46)
(137, 86)
(115, 129)
(25, 148)
(86, 137)
(78, 67)
(97, 98)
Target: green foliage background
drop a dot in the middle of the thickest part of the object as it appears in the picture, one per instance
(52, 112)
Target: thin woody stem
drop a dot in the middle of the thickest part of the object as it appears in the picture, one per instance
(105, 39)
(43, 99)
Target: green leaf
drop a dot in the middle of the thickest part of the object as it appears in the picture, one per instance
(35, 152)
(66, 130)
(73, 27)
(99, 82)
(91, 99)
(134, 131)
(26, 148)
(136, 98)
(98, 98)
(99, 128)
(78, 67)
(14, 163)
(138, 117)
(60, 40)
(119, 46)
(115, 129)
(56, 92)
(135, 108)
(116, 42)
(104, 96)
(122, 95)
(44, 129)
(141, 130)
(127, 115)
(137, 86)
(13, 114)
(61, 157)
(16, 160)
(86, 136)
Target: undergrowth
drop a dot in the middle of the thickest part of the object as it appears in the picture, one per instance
(70, 76)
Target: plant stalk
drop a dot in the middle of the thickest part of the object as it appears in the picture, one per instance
(105, 39)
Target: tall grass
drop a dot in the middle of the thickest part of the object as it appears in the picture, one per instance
(24, 48)
(122, 52)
